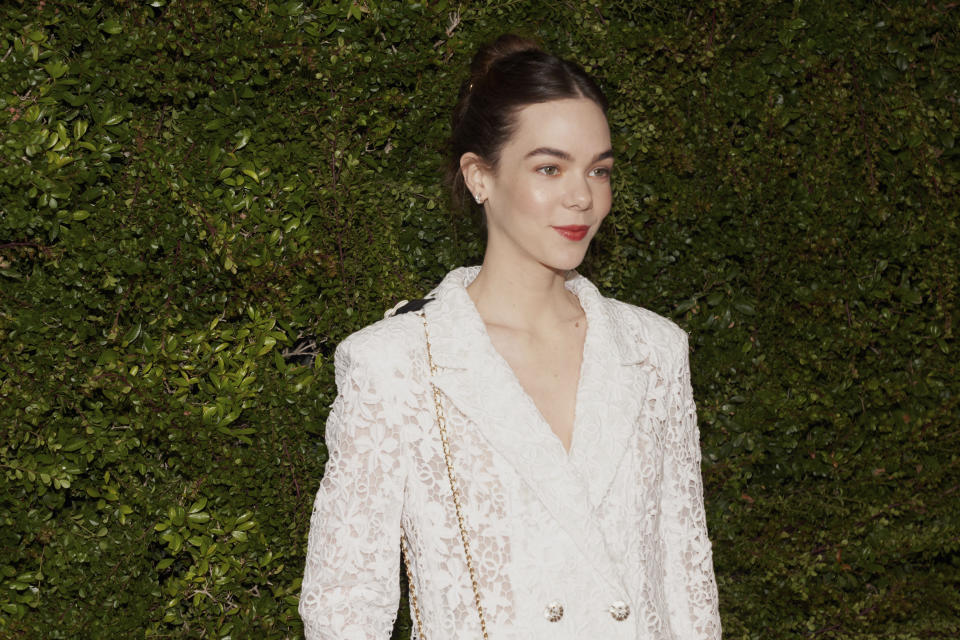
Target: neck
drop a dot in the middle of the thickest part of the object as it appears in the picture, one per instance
(528, 297)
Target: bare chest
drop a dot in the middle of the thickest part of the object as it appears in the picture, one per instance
(548, 370)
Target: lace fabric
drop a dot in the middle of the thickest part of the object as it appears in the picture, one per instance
(617, 521)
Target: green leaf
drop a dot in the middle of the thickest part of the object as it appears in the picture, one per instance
(243, 137)
(176, 515)
(56, 68)
(199, 517)
(75, 444)
(268, 344)
(111, 26)
(249, 171)
(132, 334)
(209, 414)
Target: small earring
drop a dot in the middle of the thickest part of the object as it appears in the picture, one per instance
(478, 199)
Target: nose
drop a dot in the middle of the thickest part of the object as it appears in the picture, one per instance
(578, 194)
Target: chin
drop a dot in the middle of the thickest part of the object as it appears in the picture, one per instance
(565, 263)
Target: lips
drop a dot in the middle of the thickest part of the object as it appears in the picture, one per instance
(573, 232)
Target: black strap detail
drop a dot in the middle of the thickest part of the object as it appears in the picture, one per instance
(413, 305)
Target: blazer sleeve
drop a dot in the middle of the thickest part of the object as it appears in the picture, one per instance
(690, 585)
(350, 587)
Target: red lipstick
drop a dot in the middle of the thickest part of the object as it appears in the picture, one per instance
(573, 232)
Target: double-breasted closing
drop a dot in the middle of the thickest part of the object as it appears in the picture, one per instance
(612, 533)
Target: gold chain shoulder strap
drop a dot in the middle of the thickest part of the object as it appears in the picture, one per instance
(442, 425)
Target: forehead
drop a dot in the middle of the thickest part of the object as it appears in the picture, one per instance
(577, 126)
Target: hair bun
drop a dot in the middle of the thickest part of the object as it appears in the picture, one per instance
(503, 47)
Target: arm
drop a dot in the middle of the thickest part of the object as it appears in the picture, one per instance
(350, 584)
(690, 586)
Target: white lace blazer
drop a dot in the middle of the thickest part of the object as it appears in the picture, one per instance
(608, 541)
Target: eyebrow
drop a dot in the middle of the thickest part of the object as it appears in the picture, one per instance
(563, 155)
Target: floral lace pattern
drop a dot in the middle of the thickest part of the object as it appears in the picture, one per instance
(617, 525)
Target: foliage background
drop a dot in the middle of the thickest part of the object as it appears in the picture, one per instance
(189, 187)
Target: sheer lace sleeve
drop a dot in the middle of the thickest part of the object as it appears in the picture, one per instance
(691, 588)
(351, 579)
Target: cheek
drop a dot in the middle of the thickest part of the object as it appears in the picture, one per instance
(603, 198)
(531, 194)
(530, 200)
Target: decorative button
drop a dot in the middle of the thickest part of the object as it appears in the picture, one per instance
(620, 610)
(553, 611)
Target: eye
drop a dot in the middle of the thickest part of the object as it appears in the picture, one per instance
(549, 170)
(601, 172)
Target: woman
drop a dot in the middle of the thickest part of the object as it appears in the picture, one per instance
(570, 424)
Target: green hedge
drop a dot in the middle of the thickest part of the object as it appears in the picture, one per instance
(199, 198)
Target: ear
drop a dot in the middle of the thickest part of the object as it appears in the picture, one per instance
(475, 174)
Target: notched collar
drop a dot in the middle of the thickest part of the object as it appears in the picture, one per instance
(614, 384)
(457, 326)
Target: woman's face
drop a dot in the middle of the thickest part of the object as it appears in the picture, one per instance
(551, 187)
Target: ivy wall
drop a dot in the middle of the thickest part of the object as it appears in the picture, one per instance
(199, 199)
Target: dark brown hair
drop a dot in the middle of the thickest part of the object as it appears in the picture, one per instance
(506, 75)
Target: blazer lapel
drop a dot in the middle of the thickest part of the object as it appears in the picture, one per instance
(481, 385)
(617, 387)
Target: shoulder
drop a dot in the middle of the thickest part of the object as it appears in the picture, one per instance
(388, 345)
(629, 318)
(664, 339)
(647, 321)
